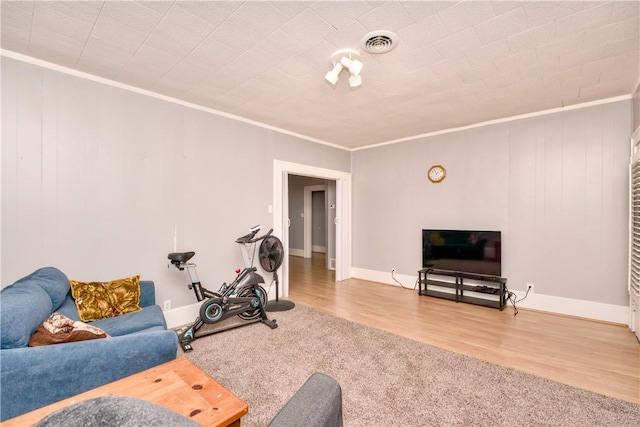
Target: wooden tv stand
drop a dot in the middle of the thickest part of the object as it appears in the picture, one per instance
(459, 286)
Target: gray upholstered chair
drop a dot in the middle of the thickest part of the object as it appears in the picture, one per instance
(318, 403)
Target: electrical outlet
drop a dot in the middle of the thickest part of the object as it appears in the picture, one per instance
(167, 305)
(530, 288)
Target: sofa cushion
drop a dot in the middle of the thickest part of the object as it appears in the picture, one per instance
(23, 307)
(147, 293)
(68, 308)
(149, 318)
(53, 281)
(96, 300)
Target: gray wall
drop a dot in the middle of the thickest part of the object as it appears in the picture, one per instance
(296, 208)
(318, 219)
(97, 180)
(555, 185)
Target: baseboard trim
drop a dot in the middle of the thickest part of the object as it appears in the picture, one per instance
(385, 277)
(186, 315)
(558, 305)
(551, 304)
(296, 252)
(180, 316)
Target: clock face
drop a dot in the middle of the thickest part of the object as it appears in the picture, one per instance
(436, 173)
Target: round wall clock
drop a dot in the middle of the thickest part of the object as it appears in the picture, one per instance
(436, 173)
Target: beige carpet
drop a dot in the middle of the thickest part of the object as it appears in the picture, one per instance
(388, 380)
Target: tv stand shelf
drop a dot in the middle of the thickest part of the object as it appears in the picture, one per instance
(459, 286)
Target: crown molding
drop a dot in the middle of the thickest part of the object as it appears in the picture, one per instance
(92, 77)
(503, 120)
(55, 67)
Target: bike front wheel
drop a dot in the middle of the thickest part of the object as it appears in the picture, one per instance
(211, 311)
(260, 294)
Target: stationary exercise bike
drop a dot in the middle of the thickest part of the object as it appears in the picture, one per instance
(243, 297)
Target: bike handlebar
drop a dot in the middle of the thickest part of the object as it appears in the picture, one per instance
(250, 238)
(264, 236)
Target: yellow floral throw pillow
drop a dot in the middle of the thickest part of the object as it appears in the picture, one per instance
(96, 300)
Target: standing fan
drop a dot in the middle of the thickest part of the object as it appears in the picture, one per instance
(271, 255)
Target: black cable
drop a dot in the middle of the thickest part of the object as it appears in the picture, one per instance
(511, 297)
(270, 285)
(399, 283)
(525, 295)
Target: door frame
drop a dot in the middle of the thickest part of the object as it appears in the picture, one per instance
(281, 172)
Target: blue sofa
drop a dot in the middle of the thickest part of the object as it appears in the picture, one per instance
(32, 377)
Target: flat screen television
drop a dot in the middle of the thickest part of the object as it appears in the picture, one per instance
(469, 251)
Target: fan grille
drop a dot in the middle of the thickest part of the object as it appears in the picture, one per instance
(271, 253)
(379, 41)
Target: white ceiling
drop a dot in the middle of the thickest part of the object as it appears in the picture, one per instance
(456, 63)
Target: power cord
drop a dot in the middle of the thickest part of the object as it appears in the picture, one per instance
(511, 297)
(270, 286)
(393, 272)
(525, 295)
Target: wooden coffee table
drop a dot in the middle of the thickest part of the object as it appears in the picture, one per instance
(178, 385)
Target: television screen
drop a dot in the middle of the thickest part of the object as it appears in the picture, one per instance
(469, 251)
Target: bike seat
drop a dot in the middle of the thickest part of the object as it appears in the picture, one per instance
(180, 257)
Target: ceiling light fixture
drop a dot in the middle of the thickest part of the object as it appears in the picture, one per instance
(349, 59)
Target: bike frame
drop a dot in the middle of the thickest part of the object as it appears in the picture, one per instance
(247, 277)
(223, 304)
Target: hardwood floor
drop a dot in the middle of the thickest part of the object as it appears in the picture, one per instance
(596, 356)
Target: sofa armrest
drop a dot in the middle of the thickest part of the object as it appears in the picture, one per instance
(147, 293)
(318, 403)
(56, 372)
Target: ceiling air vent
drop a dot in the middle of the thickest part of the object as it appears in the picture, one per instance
(379, 41)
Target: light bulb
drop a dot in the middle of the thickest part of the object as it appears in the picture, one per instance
(355, 81)
(354, 66)
(332, 76)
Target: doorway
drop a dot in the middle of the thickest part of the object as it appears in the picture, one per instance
(312, 216)
(342, 222)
